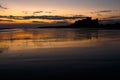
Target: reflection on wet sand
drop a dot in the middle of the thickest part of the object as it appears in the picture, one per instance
(44, 38)
(21, 39)
(48, 34)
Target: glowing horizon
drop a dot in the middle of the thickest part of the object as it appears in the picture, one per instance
(102, 9)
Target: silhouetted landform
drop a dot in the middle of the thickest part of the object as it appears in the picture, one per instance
(110, 26)
(88, 23)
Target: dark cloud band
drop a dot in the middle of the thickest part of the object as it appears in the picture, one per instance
(2, 7)
(102, 11)
(54, 17)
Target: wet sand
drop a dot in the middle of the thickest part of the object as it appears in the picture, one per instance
(91, 59)
(91, 62)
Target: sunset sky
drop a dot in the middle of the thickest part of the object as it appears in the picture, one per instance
(57, 11)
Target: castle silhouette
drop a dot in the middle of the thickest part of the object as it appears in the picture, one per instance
(88, 22)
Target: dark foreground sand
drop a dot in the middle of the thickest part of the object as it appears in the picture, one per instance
(62, 63)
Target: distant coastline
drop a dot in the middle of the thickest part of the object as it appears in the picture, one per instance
(89, 24)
